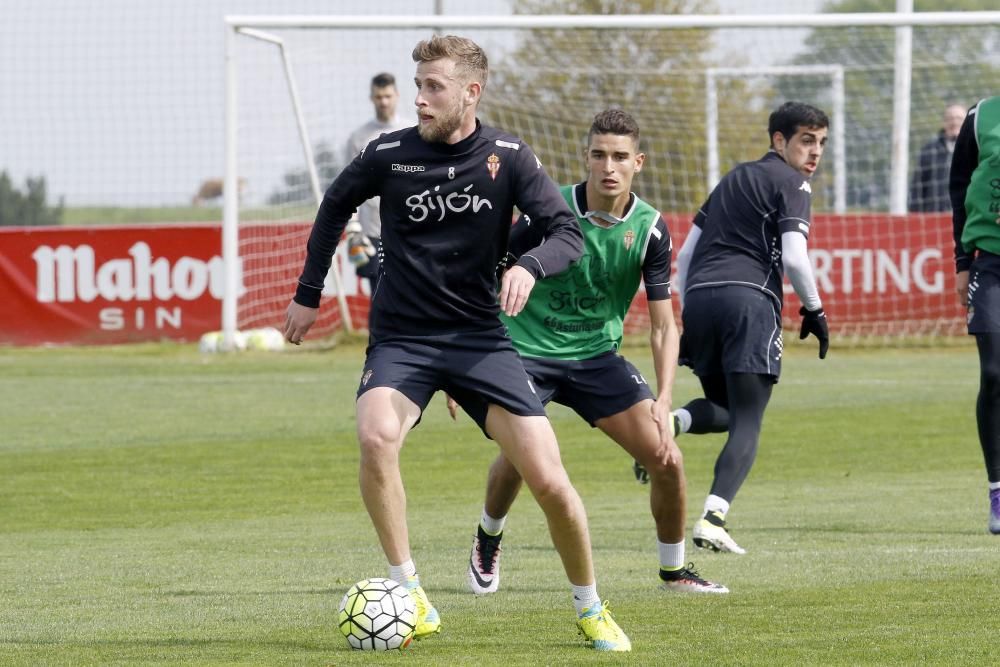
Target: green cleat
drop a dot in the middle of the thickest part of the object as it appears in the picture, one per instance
(601, 631)
(428, 620)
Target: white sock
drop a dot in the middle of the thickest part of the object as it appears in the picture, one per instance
(716, 504)
(585, 597)
(994, 486)
(400, 573)
(671, 555)
(684, 419)
(492, 526)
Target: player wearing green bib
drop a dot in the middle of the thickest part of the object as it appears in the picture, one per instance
(568, 336)
(975, 198)
(579, 313)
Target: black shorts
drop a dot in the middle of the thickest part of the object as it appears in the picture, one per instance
(475, 368)
(984, 294)
(594, 388)
(731, 329)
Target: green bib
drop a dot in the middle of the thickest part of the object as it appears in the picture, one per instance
(580, 313)
(982, 199)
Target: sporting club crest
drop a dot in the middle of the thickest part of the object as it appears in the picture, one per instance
(493, 165)
(629, 239)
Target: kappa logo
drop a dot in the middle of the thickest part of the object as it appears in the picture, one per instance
(493, 165)
(408, 168)
(805, 186)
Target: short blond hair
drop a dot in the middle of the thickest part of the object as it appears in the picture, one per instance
(470, 59)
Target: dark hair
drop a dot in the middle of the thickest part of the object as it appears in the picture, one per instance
(383, 80)
(470, 59)
(790, 116)
(614, 121)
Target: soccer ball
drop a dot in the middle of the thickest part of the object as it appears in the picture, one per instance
(211, 342)
(266, 338)
(377, 615)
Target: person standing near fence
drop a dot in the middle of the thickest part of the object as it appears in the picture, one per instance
(364, 234)
(929, 186)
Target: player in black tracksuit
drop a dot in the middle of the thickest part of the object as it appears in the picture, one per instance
(450, 207)
(448, 189)
(750, 232)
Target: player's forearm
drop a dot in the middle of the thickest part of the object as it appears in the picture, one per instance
(563, 245)
(664, 344)
(798, 268)
(327, 229)
(963, 163)
(664, 349)
(684, 262)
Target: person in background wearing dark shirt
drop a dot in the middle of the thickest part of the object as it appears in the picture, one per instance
(975, 201)
(929, 185)
(448, 189)
(751, 231)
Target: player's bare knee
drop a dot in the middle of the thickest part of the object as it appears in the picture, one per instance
(377, 442)
(668, 473)
(551, 491)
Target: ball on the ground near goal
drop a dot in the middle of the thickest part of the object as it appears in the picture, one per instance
(213, 341)
(377, 615)
(266, 338)
(210, 342)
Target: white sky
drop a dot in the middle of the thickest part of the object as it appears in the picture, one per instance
(121, 101)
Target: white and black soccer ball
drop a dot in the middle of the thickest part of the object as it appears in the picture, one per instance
(377, 615)
(265, 338)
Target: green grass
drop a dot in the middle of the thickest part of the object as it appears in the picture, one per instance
(160, 507)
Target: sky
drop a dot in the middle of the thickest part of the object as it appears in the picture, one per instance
(121, 102)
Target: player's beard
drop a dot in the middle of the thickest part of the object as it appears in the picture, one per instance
(443, 125)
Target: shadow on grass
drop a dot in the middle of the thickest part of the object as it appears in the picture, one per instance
(177, 642)
(290, 591)
(848, 530)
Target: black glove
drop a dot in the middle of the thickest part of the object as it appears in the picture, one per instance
(814, 322)
(641, 475)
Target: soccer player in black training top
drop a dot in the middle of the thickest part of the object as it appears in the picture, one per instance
(448, 188)
(975, 200)
(752, 229)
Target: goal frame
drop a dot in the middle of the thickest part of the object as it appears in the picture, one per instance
(236, 27)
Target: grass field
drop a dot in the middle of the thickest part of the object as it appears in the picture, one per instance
(160, 507)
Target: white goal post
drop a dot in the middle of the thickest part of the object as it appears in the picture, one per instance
(244, 28)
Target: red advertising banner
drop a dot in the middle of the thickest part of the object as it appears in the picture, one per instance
(877, 275)
(91, 285)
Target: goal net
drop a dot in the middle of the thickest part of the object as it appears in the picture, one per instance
(701, 88)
